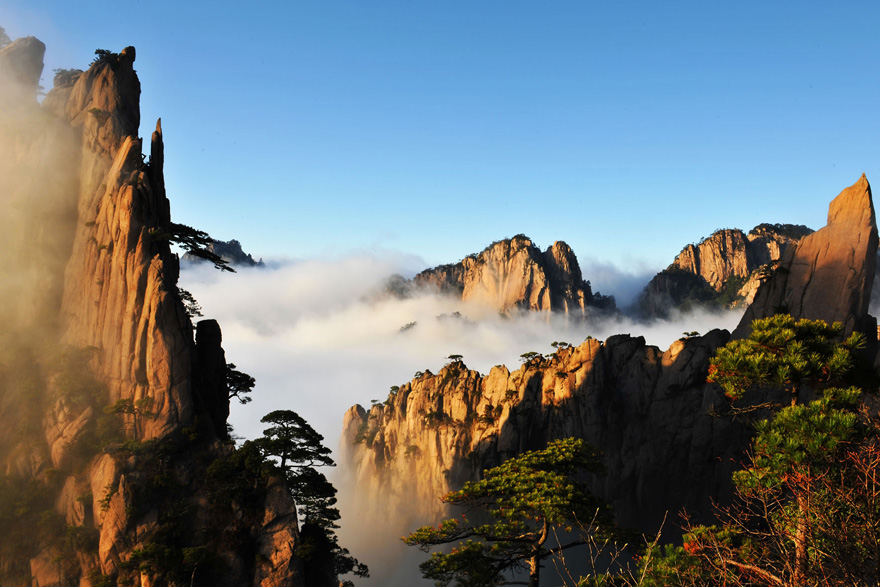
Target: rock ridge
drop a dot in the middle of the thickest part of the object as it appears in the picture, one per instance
(113, 414)
(722, 270)
(829, 275)
(514, 274)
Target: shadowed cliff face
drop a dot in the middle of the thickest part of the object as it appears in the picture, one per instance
(643, 408)
(723, 269)
(110, 415)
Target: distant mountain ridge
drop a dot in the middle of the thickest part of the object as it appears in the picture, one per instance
(723, 270)
(229, 251)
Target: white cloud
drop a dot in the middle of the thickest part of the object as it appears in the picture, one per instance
(318, 339)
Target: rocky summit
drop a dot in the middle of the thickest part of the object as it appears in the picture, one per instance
(514, 274)
(830, 273)
(115, 444)
(722, 270)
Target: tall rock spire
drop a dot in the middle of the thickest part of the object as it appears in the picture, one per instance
(829, 274)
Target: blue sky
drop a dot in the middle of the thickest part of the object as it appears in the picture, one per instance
(627, 129)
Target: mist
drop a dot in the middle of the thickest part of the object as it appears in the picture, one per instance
(38, 192)
(320, 335)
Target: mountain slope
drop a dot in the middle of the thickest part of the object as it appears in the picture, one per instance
(114, 444)
(515, 274)
(647, 411)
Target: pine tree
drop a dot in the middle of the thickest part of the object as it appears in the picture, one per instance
(779, 529)
(527, 498)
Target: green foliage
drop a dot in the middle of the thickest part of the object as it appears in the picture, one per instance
(196, 243)
(728, 295)
(105, 56)
(530, 356)
(238, 477)
(296, 449)
(190, 305)
(4, 38)
(64, 78)
(784, 352)
(525, 498)
(795, 231)
(793, 523)
(293, 441)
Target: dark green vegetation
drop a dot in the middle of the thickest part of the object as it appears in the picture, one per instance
(808, 499)
(195, 242)
(290, 449)
(795, 231)
(533, 502)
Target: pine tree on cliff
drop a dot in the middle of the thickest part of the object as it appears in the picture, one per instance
(529, 499)
(298, 449)
(797, 519)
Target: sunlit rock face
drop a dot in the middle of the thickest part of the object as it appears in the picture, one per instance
(92, 317)
(646, 410)
(515, 274)
(724, 269)
(643, 408)
(830, 274)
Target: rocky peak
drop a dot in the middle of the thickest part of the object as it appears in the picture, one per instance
(830, 273)
(21, 64)
(719, 270)
(105, 102)
(112, 414)
(514, 274)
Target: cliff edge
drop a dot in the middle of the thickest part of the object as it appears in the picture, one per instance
(116, 463)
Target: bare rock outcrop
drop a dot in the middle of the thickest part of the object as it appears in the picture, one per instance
(830, 273)
(21, 64)
(721, 270)
(113, 416)
(514, 274)
(645, 409)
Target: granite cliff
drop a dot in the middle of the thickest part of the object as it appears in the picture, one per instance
(722, 270)
(829, 275)
(114, 438)
(515, 274)
(645, 409)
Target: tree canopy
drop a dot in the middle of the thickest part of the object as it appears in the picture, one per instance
(527, 499)
(297, 448)
(807, 507)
